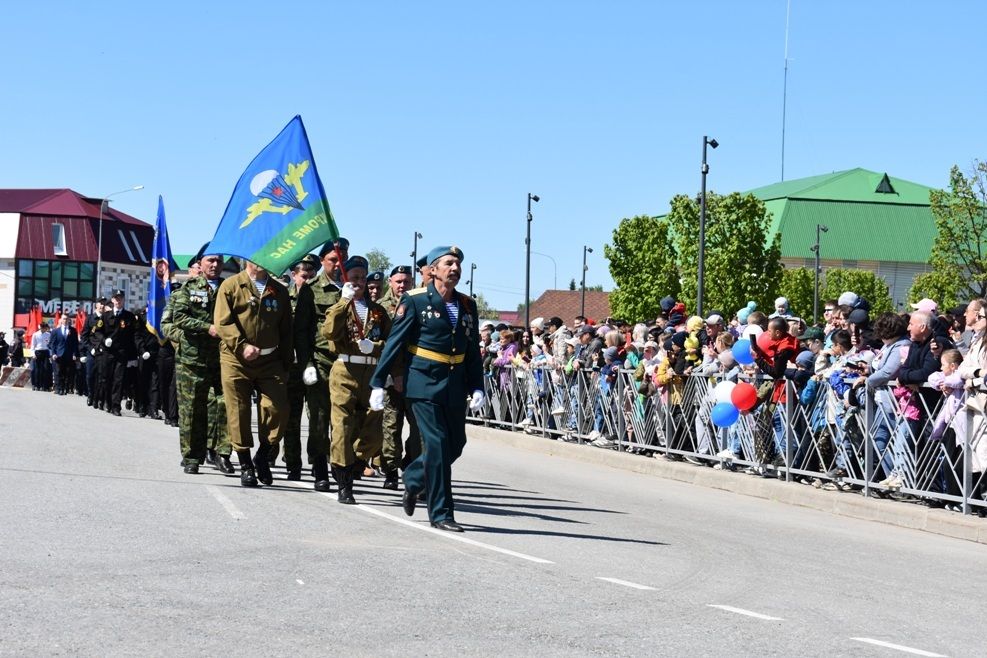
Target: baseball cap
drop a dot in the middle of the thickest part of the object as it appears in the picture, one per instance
(586, 329)
(812, 333)
(927, 305)
(714, 319)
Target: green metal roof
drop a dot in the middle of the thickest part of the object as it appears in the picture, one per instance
(851, 185)
(182, 259)
(857, 231)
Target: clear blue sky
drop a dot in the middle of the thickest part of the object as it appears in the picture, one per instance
(441, 116)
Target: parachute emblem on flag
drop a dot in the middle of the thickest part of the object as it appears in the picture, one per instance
(276, 193)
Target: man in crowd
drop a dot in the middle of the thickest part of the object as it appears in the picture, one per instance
(197, 365)
(304, 323)
(253, 322)
(64, 346)
(115, 330)
(41, 370)
(436, 328)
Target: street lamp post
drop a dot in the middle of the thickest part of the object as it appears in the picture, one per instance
(702, 227)
(815, 288)
(527, 264)
(555, 269)
(582, 304)
(103, 204)
(472, 275)
(414, 259)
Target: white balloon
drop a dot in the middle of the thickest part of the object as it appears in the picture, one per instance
(751, 332)
(722, 391)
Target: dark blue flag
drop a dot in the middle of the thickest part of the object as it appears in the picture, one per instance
(162, 264)
(278, 211)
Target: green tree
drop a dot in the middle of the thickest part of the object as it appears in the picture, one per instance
(797, 286)
(959, 251)
(740, 263)
(642, 264)
(863, 282)
(572, 284)
(483, 309)
(378, 260)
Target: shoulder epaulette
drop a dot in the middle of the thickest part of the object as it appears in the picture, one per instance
(416, 291)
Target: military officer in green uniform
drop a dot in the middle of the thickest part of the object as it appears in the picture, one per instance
(394, 455)
(311, 305)
(253, 321)
(356, 328)
(199, 388)
(435, 327)
(303, 369)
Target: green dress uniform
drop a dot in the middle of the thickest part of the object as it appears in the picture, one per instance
(356, 429)
(394, 453)
(304, 334)
(242, 316)
(197, 371)
(314, 301)
(442, 368)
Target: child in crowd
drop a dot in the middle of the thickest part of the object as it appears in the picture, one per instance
(949, 381)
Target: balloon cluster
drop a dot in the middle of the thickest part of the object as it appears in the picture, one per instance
(731, 399)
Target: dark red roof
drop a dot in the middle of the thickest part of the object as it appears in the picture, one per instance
(565, 304)
(61, 203)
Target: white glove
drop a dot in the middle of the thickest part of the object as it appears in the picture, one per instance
(477, 400)
(377, 399)
(108, 342)
(83, 359)
(310, 375)
(93, 351)
(146, 356)
(349, 291)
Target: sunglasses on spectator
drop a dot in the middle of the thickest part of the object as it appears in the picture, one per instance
(829, 310)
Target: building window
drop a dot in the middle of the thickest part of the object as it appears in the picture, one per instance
(49, 281)
(58, 240)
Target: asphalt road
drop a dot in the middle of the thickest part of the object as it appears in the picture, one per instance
(107, 548)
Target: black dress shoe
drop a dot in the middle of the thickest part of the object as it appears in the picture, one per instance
(391, 481)
(294, 474)
(248, 478)
(191, 469)
(211, 457)
(325, 486)
(224, 465)
(261, 463)
(448, 525)
(408, 501)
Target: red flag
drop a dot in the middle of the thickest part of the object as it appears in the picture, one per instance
(80, 321)
(58, 316)
(33, 320)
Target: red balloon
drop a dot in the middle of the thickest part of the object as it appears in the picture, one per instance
(764, 342)
(744, 396)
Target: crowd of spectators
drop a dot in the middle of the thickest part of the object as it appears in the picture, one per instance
(914, 372)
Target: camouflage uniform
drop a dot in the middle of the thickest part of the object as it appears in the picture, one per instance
(201, 408)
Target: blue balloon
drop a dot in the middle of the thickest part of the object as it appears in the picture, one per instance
(742, 352)
(725, 414)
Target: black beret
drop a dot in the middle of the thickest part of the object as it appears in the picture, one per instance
(309, 259)
(343, 243)
(356, 261)
(376, 276)
(401, 269)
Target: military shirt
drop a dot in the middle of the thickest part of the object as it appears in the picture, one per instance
(342, 328)
(120, 328)
(443, 362)
(325, 293)
(304, 322)
(242, 316)
(191, 314)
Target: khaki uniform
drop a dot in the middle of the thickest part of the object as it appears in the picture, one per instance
(244, 317)
(356, 430)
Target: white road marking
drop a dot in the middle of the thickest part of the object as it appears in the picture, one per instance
(447, 535)
(299, 582)
(225, 502)
(899, 647)
(741, 611)
(626, 583)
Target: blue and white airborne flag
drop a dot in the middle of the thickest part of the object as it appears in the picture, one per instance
(162, 263)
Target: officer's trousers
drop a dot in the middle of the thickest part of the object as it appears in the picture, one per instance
(443, 430)
(394, 453)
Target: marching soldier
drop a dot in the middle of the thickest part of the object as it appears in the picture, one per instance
(91, 350)
(356, 328)
(197, 370)
(435, 327)
(392, 454)
(115, 330)
(253, 322)
(375, 281)
(305, 326)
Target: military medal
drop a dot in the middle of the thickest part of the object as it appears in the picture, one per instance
(366, 346)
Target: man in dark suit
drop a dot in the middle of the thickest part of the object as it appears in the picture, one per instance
(436, 332)
(64, 346)
(115, 330)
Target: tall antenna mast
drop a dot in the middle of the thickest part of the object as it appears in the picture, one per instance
(784, 92)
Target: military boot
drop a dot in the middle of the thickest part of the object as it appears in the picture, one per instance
(248, 478)
(344, 479)
(261, 463)
(320, 471)
(391, 480)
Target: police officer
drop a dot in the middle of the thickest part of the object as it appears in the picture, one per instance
(392, 454)
(356, 328)
(304, 328)
(253, 321)
(436, 327)
(115, 330)
(197, 369)
(314, 300)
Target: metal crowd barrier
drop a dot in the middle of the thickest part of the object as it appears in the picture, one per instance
(822, 439)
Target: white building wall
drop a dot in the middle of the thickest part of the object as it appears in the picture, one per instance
(8, 291)
(10, 224)
(132, 279)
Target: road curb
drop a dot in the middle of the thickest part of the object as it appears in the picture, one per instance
(904, 515)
